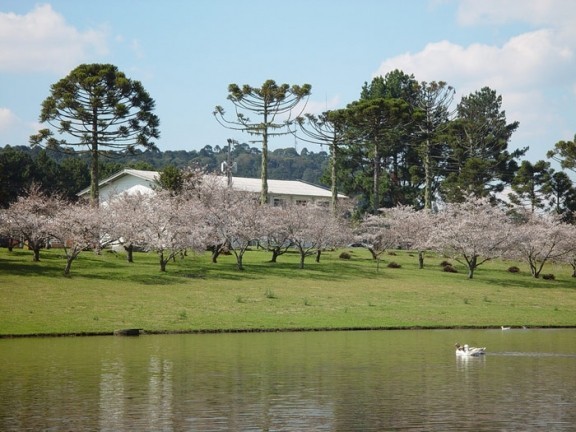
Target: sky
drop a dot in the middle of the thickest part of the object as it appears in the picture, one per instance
(186, 53)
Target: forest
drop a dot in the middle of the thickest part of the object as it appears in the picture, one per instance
(68, 173)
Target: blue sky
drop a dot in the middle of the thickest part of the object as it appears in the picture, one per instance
(186, 53)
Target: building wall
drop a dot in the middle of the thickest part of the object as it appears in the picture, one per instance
(127, 183)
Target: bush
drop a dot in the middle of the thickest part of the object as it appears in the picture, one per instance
(393, 264)
(513, 269)
(449, 269)
(345, 256)
(548, 276)
(445, 263)
(392, 253)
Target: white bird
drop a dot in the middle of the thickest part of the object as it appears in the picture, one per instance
(505, 328)
(467, 351)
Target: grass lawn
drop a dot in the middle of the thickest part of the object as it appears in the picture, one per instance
(104, 293)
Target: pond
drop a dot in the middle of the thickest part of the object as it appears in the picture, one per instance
(407, 380)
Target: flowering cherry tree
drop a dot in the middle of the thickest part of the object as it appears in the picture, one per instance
(375, 233)
(77, 227)
(411, 227)
(123, 220)
(541, 238)
(29, 217)
(471, 232)
(168, 226)
(276, 235)
(312, 229)
(236, 218)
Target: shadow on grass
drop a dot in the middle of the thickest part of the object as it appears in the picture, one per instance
(328, 271)
(20, 263)
(526, 280)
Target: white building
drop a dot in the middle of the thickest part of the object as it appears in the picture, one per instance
(279, 191)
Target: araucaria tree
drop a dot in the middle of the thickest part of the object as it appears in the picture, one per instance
(326, 129)
(98, 110)
(273, 104)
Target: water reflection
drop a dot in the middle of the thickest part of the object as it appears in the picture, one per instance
(334, 381)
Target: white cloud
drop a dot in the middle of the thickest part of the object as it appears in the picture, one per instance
(534, 71)
(530, 59)
(7, 119)
(42, 41)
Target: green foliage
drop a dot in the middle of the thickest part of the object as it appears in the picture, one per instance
(345, 256)
(478, 161)
(565, 153)
(98, 110)
(16, 174)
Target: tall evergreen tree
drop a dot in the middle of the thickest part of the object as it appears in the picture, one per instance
(98, 111)
(405, 168)
(272, 103)
(565, 153)
(479, 161)
(531, 184)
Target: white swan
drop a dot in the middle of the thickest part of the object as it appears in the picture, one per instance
(467, 351)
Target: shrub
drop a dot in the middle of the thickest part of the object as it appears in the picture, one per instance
(449, 269)
(345, 256)
(393, 264)
(513, 269)
(548, 276)
(270, 294)
(392, 253)
(445, 263)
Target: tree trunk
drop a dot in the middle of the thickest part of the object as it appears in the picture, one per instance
(264, 172)
(94, 173)
(275, 254)
(472, 266)
(129, 252)
(420, 259)
(302, 257)
(69, 260)
(318, 253)
(239, 264)
(34, 246)
(427, 176)
(373, 253)
(333, 188)
(216, 251)
(376, 180)
(163, 262)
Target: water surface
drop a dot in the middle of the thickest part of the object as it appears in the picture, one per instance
(313, 381)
